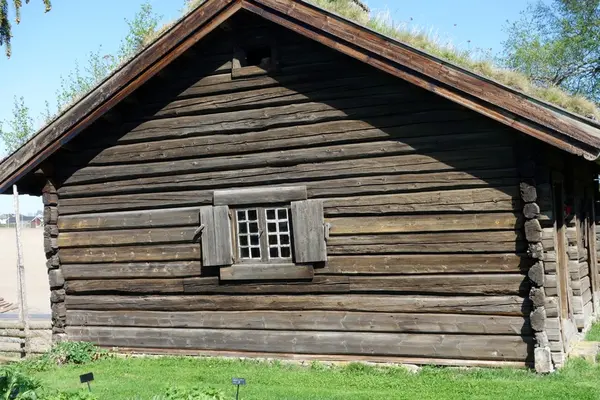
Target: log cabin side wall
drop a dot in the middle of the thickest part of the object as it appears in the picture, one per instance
(566, 190)
(427, 254)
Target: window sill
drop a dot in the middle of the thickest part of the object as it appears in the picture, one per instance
(253, 272)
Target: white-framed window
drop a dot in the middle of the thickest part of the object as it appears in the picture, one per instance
(262, 234)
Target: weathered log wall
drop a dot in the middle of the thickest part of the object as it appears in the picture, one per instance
(427, 249)
(566, 192)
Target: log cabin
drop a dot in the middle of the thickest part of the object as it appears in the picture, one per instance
(269, 179)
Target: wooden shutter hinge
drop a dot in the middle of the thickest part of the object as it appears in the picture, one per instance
(326, 229)
(198, 232)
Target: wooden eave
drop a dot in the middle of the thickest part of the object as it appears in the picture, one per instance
(551, 124)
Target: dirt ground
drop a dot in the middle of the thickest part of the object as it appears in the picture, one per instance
(36, 276)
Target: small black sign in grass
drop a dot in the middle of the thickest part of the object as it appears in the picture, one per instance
(87, 378)
(238, 382)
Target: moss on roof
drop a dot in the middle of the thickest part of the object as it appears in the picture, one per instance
(483, 66)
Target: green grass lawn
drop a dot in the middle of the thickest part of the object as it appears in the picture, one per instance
(141, 378)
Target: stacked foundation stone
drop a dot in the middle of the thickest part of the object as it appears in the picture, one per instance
(55, 276)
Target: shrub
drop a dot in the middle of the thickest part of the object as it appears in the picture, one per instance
(66, 353)
(78, 395)
(195, 393)
(15, 385)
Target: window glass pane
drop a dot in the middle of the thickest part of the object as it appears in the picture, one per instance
(245, 252)
(282, 213)
(241, 215)
(272, 239)
(252, 215)
(285, 239)
(254, 240)
(273, 252)
(283, 226)
(243, 240)
(255, 252)
(243, 227)
(272, 227)
(285, 252)
(271, 214)
(253, 227)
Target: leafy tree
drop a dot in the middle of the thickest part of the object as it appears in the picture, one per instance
(5, 25)
(19, 128)
(142, 29)
(558, 43)
(78, 82)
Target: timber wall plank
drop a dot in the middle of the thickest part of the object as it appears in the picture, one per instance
(423, 345)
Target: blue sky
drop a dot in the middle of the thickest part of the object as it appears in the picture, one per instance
(46, 46)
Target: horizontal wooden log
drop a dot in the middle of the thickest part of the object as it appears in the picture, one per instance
(424, 223)
(464, 160)
(444, 242)
(50, 215)
(354, 86)
(132, 270)
(266, 272)
(224, 83)
(420, 284)
(449, 284)
(50, 231)
(170, 252)
(272, 117)
(306, 321)
(263, 195)
(128, 237)
(424, 264)
(495, 347)
(580, 286)
(297, 136)
(382, 184)
(50, 198)
(133, 286)
(140, 201)
(93, 174)
(32, 324)
(15, 347)
(465, 200)
(131, 219)
(489, 305)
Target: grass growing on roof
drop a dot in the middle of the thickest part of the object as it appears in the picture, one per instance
(143, 378)
(481, 64)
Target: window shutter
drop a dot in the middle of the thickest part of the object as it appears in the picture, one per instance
(309, 232)
(216, 236)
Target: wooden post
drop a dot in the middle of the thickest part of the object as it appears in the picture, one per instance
(23, 310)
